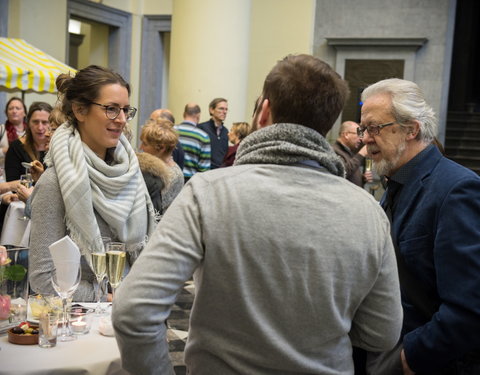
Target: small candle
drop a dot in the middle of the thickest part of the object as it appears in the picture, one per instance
(79, 326)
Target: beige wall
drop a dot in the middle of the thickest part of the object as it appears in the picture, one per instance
(278, 28)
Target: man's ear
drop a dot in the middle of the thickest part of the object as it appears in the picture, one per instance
(413, 130)
(265, 116)
(79, 112)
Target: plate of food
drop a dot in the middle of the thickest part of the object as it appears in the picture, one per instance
(23, 334)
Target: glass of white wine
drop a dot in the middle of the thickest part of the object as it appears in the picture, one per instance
(116, 259)
(99, 264)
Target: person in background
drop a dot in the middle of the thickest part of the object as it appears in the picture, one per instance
(31, 146)
(434, 207)
(178, 153)
(195, 142)
(276, 244)
(159, 139)
(237, 133)
(15, 126)
(93, 186)
(55, 119)
(216, 130)
(346, 146)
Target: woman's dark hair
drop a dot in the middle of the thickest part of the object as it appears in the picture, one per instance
(84, 88)
(11, 131)
(29, 145)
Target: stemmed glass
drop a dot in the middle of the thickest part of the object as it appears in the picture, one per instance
(65, 280)
(116, 258)
(99, 264)
(27, 181)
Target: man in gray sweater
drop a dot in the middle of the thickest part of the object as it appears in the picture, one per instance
(293, 264)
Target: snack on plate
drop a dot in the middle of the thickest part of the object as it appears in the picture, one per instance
(23, 334)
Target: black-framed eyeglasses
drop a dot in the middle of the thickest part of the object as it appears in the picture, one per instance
(112, 111)
(372, 129)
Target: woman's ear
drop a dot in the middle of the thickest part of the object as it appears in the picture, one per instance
(79, 112)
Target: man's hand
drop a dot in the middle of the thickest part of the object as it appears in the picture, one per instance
(368, 176)
(36, 170)
(406, 368)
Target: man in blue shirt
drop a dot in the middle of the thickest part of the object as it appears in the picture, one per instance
(434, 208)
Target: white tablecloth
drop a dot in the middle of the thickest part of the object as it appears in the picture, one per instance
(89, 354)
(15, 231)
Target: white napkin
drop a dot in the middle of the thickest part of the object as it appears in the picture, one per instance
(66, 258)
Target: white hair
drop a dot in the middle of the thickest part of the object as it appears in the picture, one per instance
(408, 103)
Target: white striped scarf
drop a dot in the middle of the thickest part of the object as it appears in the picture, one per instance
(116, 192)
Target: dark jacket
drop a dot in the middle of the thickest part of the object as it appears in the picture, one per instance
(218, 144)
(16, 154)
(352, 163)
(436, 224)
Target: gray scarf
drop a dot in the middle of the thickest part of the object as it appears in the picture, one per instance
(116, 192)
(288, 144)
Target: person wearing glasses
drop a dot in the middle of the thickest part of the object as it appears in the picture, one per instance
(346, 146)
(216, 130)
(433, 204)
(93, 186)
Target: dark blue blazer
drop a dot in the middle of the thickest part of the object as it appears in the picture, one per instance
(437, 228)
(218, 144)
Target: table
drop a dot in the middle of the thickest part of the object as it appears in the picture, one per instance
(93, 353)
(15, 231)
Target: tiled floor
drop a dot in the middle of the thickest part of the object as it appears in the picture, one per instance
(178, 327)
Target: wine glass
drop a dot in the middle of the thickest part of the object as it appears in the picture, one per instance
(99, 264)
(116, 257)
(65, 280)
(27, 181)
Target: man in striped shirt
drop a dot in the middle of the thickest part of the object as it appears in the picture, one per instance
(195, 142)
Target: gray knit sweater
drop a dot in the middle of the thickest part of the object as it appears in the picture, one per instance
(293, 266)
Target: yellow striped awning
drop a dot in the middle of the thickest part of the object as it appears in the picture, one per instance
(25, 67)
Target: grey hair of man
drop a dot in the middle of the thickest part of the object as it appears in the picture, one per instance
(408, 104)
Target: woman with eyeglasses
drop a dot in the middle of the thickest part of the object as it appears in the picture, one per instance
(93, 186)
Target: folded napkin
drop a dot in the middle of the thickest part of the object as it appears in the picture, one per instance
(66, 259)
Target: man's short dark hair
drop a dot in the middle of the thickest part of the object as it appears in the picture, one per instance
(305, 90)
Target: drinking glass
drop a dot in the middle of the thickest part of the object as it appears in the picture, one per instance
(27, 181)
(65, 280)
(99, 264)
(116, 257)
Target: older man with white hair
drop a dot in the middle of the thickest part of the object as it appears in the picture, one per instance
(434, 208)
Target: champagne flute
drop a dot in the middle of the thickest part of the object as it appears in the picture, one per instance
(99, 264)
(65, 280)
(116, 258)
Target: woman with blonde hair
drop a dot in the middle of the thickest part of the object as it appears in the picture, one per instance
(93, 186)
(236, 134)
(159, 140)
